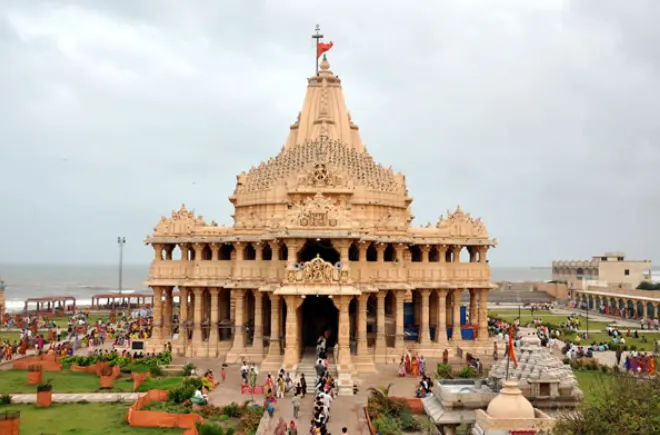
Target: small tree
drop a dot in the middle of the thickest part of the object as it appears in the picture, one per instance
(620, 405)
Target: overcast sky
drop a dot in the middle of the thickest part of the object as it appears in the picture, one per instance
(540, 116)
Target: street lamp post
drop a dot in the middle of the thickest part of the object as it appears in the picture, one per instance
(586, 334)
(121, 241)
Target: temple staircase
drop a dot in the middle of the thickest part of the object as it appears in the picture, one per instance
(306, 367)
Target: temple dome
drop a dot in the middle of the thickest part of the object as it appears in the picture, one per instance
(510, 403)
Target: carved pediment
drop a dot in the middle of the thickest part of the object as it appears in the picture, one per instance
(461, 224)
(317, 271)
(181, 222)
(247, 219)
(392, 220)
(317, 211)
(322, 175)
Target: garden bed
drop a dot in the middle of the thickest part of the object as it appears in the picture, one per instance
(388, 415)
(47, 362)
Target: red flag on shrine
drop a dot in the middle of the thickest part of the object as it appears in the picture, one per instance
(322, 47)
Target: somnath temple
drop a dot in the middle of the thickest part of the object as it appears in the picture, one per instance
(322, 240)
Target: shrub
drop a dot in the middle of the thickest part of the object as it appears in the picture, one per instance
(386, 425)
(185, 391)
(467, 373)
(156, 371)
(232, 410)
(5, 399)
(444, 371)
(187, 369)
(250, 419)
(213, 429)
(604, 369)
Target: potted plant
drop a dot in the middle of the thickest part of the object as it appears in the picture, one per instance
(139, 371)
(35, 374)
(106, 379)
(114, 366)
(44, 394)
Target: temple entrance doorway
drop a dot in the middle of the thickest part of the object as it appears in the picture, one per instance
(318, 247)
(319, 315)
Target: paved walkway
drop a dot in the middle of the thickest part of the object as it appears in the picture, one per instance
(74, 398)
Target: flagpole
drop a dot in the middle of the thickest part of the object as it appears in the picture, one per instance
(318, 37)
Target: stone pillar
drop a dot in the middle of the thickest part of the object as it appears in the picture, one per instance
(425, 249)
(424, 330)
(215, 251)
(168, 252)
(456, 328)
(183, 314)
(274, 349)
(483, 314)
(442, 253)
(381, 343)
(198, 247)
(239, 333)
(213, 326)
(291, 336)
(197, 320)
(380, 249)
(258, 341)
(483, 250)
(183, 247)
(441, 336)
(362, 251)
(158, 251)
(343, 339)
(398, 338)
(473, 307)
(456, 254)
(167, 314)
(362, 344)
(157, 332)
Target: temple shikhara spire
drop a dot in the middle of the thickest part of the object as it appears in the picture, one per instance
(320, 232)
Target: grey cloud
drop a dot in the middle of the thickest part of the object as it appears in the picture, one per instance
(537, 116)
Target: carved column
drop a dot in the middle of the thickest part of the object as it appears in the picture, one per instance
(183, 314)
(473, 307)
(456, 254)
(456, 331)
(197, 319)
(292, 247)
(198, 248)
(183, 247)
(442, 253)
(215, 251)
(274, 348)
(239, 333)
(381, 343)
(441, 334)
(425, 249)
(157, 331)
(398, 339)
(258, 341)
(291, 335)
(400, 249)
(483, 314)
(424, 330)
(213, 332)
(167, 314)
(158, 251)
(168, 252)
(473, 250)
(344, 355)
(483, 251)
(343, 246)
(362, 344)
(362, 251)
(380, 248)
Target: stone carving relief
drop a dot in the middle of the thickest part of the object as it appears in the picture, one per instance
(317, 271)
(393, 219)
(247, 219)
(323, 176)
(461, 224)
(317, 211)
(181, 222)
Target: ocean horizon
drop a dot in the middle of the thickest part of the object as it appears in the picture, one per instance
(83, 281)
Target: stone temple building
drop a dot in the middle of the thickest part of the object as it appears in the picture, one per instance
(322, 240)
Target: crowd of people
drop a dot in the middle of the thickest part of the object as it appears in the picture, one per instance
(414, 365)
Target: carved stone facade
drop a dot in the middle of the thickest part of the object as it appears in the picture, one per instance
(322, 241)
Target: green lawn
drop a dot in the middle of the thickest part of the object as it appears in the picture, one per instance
(15, 382)
(592, 383)
(11, 335)
(81, 419)
(545, 316)
(630, 341)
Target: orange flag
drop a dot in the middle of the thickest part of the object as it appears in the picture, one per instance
(323, 47)
(512, 354)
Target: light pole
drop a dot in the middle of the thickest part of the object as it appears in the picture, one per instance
(121, 241)
(586, 334)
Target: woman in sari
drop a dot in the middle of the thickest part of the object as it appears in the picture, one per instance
(415, 366)
(402, 368)
(407, 361)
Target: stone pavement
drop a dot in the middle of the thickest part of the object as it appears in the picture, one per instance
(346, 411)
(75, 398)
